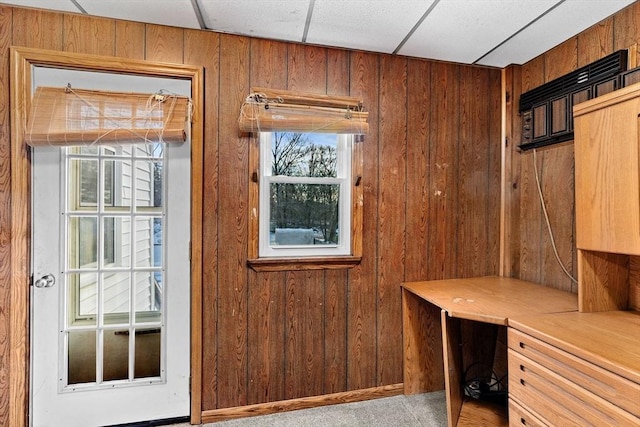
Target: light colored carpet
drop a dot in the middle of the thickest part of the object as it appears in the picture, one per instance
(424, 410)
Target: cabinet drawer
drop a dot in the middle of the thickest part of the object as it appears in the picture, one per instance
(611, 387)
(559, 401)
(520, 417)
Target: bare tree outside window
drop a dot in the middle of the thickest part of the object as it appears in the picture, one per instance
(310, 204)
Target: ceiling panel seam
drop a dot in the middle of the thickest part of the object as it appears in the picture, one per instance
(530, 23)
(198, 11)
(307, 23)
(80, 8)
(415, 27)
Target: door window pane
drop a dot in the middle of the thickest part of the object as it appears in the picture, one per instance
(88, 182)
(82, 242)
(82, 298)
(81, 360)
(148, 297)
(147, 362)
(116, 298)
(116, 242)
(115, 355)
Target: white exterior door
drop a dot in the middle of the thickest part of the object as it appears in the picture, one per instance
(110, 294)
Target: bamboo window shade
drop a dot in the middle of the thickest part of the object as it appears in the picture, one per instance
(270, 110)
(66, 116)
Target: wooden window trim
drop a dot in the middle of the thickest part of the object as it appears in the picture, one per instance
(304, 263)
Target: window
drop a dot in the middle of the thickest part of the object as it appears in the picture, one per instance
(305, 196)
(305, 201)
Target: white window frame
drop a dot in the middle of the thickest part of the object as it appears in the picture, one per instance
(343, 179)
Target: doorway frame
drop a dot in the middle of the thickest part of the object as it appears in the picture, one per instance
(22, 60)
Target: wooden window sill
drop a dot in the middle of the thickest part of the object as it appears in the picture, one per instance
(303, 263)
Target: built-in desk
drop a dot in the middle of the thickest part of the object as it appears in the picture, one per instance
(433, 341)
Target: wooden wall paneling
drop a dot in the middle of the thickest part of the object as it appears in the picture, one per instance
(231, 353)
(512, 172)
(361, 298)
(44, 28)
(443, 165)
(557, 180)
(304, 346)
(596, 42)
(267, 303)
(6, 16)
(304, 349)
(494, 200)
(530, 220)
(417, 179)
(130, 39)
(473, 173)
(266, 337)
(476, 237)
(88, 34)
(561, 59)
(556, 174)
(477, 356)
(204, 298)
(337, 72)
(335, 281)
(193, 52)
(626, 27)
(307, 68)
(392, 213)
(164, 44)
(335, 327)
(634, 283)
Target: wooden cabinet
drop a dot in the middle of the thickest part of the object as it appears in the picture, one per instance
(575, 369)
(607, 186)
(607, 173)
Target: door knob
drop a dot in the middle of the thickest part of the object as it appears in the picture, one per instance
(46, 281)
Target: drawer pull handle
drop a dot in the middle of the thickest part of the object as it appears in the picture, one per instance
(523, 421)
(522, 381)
(521, 344)
(522, 368)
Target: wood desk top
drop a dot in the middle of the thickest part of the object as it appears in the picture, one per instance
(610, 339)
(492, 299)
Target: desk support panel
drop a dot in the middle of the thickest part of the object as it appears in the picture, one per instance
(422, 341)
(452, 353)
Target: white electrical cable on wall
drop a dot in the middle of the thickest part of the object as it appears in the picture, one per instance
(546, 217)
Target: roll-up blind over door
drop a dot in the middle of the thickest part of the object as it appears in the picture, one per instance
(270, 110)
(65, 116)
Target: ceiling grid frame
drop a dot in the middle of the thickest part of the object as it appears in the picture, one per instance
(493, 33)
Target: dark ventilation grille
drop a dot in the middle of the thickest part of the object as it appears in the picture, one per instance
(546, 111)
(602, 69)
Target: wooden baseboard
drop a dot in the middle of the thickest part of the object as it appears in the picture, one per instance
(215, 415)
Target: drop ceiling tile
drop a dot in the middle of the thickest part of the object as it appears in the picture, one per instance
(560, 24)
(274, 19)
(464, 30)
(178, 13)
(61, 5)
(378, 26)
